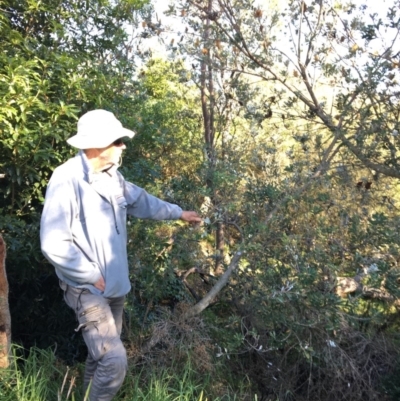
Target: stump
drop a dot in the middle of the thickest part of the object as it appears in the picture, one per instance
(5, 317)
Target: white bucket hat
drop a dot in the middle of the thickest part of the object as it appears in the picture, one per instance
(98, 129)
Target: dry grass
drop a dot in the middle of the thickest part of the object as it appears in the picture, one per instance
(350, 366)
(173, 339)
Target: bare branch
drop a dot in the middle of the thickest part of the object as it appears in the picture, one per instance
(223, 280)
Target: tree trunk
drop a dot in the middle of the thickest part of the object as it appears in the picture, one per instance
(5, 317)
(208, 106)
(220, 245)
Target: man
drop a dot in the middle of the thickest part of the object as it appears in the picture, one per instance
(83, 234)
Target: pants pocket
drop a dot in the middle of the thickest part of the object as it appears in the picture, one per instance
(98, 330)
(95, 315)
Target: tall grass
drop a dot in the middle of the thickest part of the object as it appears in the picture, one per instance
(40, 376)
(33, 377)
(172, 385)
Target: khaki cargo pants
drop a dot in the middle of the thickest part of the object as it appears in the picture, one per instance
(100, 320)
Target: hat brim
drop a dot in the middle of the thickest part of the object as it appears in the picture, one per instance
(86, 142)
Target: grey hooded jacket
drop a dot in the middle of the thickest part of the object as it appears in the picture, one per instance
(83, 226)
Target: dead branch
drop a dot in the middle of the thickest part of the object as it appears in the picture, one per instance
(223, 280)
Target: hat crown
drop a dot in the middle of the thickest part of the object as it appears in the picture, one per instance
(98, 129)
(97, 122)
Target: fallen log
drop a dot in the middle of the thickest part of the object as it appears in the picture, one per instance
(347, 285)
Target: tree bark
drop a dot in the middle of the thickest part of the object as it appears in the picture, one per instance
(220, 245)
(5, 317)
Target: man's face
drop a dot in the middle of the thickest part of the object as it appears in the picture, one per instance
(111, 155)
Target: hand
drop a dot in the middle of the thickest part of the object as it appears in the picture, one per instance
(100, 284)
(190, 217)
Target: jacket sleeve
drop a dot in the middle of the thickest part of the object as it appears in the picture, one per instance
(56, 237)
(145, 206)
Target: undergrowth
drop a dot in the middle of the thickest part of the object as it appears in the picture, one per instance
(176, 360)
(40, 376)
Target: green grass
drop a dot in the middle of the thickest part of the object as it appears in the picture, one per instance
(33, 378)
(39, 376)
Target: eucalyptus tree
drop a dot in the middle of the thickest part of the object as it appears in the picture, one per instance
(223, 95)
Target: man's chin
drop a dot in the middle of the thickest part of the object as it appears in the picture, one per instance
(110, 166)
